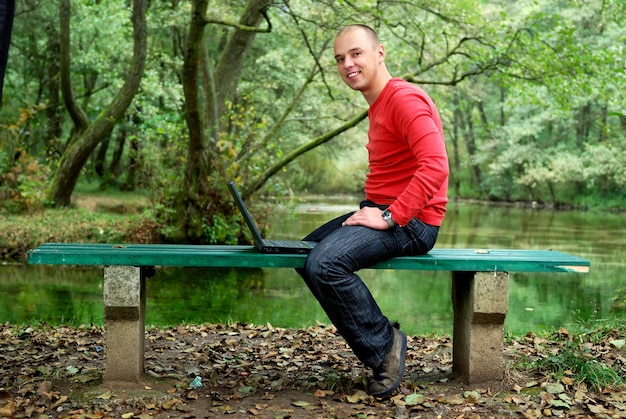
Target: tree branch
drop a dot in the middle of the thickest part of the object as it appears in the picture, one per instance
(324, 138)
(243, 27)
(78, 115)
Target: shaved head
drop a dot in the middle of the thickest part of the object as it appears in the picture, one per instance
(371, 34)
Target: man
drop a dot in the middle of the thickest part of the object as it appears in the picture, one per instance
(406, 195)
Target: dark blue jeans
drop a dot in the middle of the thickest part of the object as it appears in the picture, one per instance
(330, 269)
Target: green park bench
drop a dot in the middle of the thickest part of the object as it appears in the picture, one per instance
(479, 292)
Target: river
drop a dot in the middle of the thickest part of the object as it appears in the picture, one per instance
(419, 300)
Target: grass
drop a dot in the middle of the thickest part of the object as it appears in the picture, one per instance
(572, 355)
(97, 216)
(18, 233)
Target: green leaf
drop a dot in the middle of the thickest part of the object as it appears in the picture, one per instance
(414, 399)
(559, 403)
(555, 388)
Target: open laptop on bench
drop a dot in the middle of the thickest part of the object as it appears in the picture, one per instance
(267, 246)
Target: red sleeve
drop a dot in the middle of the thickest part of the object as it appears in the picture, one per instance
(417, 117)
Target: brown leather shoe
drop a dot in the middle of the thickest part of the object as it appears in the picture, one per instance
(388, 375)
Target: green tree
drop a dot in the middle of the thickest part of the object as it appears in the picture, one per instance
(88, 134)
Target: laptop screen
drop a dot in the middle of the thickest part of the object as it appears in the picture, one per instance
(256, 233)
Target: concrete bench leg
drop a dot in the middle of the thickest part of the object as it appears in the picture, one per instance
(124, 324)
(480, 301)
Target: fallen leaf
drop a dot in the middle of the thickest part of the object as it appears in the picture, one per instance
(8, 410)
(454, 400)
(85, 378)
(596, 408)
(414, 399)
(559, 403)
(472, 396)
(170, 404)
(305, 405)
(105, 396)
(59, 402)
(44, 388)
(554, 388)
(320, 393)
(357, 397)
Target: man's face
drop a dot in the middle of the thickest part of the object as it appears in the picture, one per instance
(357, 58)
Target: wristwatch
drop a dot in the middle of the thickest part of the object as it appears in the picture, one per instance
(387, 217)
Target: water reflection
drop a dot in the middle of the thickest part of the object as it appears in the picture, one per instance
(419, 300)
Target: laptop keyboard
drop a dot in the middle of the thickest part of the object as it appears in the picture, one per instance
(287, 243)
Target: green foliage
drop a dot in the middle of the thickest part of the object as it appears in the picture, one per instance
(23, 177)
(25, 184)
(619, 301)
(221, 230)
(531, 92)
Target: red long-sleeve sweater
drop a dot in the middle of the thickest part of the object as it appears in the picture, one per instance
(408, 163)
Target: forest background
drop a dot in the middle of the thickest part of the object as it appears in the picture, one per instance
(172, 98)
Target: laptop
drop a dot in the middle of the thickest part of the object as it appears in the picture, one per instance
(267, 246)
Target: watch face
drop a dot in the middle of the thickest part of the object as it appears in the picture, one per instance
(386, 214)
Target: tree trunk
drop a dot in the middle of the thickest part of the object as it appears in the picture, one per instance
(89, 135)
(100, 159)
(115, 170)
(53, 109)
(470, 143)
(455, 175)
(463, 118)
(130, 183)
(79, 117)
(230, 62)
(196, 200)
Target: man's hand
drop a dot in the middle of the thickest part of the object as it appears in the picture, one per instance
(368, 217)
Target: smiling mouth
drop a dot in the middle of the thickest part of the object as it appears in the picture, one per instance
(353, 74)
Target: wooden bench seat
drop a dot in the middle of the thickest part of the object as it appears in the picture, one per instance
(479, 292)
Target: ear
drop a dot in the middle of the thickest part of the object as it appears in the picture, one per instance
(380, 50)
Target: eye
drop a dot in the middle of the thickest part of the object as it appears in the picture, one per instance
(339, 60)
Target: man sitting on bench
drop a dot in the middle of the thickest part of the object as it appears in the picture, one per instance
(405, 202)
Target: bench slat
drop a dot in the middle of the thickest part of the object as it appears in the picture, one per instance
(471, 260)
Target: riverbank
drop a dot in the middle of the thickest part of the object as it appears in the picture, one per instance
(122, 217)
(242, 371)
(19, 233)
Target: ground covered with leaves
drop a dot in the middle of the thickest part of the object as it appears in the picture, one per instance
(246, 371)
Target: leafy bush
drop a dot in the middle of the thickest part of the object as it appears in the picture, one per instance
(22, 183)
